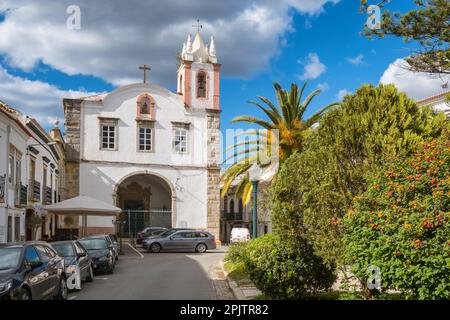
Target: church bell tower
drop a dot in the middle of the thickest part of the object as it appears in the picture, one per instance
(198, 74)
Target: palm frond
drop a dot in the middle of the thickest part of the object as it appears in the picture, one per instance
(316, 117)
(254, 120)
(246, 152)
(271, 106)
(273, 116)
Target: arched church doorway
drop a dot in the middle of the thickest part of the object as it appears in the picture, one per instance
(146, 201)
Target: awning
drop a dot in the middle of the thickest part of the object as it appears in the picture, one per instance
(83, 206)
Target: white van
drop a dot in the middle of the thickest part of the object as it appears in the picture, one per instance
(239, 234)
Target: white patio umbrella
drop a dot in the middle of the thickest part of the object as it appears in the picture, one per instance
(83, 206)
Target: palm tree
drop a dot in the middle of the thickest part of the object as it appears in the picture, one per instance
(287, 118)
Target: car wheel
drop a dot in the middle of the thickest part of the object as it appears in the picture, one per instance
(62, 292)
(201, 248)
(90, 276)
(155, 247)
(25, 295)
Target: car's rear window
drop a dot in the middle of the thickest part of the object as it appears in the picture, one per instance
(64, 249)
(94, 244)
(9, 258)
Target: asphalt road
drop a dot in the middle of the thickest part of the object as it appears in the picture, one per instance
(165, 276)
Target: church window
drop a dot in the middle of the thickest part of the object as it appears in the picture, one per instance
(201, 85)
(108, 137)
(180, 142)
(145, 139)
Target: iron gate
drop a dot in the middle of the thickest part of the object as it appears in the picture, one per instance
(133, 221)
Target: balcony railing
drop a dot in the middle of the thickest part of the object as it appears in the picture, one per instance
(230, 216)
(2, 188)
(23, 195)
(20, 198)
(35, 190)
(48, 195)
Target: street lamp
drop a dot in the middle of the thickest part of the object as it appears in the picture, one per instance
(255, 175)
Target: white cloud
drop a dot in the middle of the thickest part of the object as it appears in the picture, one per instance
(356, 61)
(415, 85)
(323, 86)
(35, 98)
(313, 67)
(342, 93)
(118, 36)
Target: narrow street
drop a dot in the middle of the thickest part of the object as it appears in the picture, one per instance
(172, 275)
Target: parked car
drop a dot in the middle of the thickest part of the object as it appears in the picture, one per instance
(31, 271)
(112, 242)
(77, 261)
(239, 234)
(148, 232)
(181, 240)
(101, 253)
(165, 233)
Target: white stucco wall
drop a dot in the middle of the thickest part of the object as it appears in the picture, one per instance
(102, 170)
(2, 172)
(19, 139)
(122, 104)
(100, 180)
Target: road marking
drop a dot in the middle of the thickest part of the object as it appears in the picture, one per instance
(142, 256)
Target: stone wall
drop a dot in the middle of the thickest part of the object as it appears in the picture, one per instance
(213, 183)
(72, 115)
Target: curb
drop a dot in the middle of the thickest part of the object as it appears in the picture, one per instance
(237, 292)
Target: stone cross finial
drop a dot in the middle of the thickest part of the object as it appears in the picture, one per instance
(145, 68)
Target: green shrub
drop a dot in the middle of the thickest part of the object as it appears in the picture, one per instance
(236, 251)
(284, 271)
(401, 225)
(314, 188)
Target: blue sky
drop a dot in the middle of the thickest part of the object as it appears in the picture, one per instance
(335, 36)
(258, 42)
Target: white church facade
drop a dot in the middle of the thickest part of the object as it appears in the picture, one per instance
(152, 152)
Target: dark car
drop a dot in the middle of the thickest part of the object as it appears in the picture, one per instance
(101, 253)
(77, 261)
(148, 232)
(111, 240)
(181, 240)
(31, 270)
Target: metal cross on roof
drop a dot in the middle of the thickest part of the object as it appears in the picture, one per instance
(145, 68)
(198, 25)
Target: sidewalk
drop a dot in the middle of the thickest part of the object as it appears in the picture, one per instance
(244, 290)
(128, 252)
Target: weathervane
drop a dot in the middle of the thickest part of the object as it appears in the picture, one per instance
(198, 25)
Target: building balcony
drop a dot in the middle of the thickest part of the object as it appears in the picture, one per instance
(2, 188)
(21, 199)
(232, 216)
(48, 195)
(35, 191)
